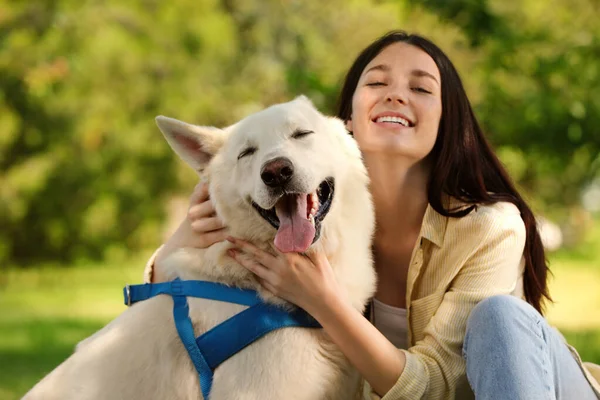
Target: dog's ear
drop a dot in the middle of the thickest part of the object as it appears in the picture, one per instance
(302, 98)
(196, 145)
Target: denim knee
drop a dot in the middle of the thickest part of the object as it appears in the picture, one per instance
(498, 320)
(495, 310)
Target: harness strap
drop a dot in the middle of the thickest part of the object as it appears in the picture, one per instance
(246, 327)
(203, 289)
(183, 323)
(218, 344)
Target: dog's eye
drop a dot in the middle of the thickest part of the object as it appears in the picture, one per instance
(247, 152)
(301, 133)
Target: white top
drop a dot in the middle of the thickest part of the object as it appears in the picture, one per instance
(392, 322)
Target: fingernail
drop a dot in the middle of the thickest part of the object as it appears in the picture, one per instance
(230, 239)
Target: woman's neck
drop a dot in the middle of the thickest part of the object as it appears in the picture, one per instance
(399, 192)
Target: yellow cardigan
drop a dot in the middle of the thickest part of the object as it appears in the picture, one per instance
(457, 263)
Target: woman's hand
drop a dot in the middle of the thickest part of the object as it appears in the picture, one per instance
(201, 229)
(207, 227)
(307, 281)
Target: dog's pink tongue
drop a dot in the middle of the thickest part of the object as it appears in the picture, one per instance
(295, 233)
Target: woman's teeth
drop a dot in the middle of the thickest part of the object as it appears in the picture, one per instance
(396, 120)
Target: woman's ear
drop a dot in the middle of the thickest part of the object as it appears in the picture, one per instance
(349, 125)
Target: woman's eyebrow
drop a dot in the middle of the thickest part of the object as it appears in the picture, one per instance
(415, 72)
(422, 73)
(379, 67)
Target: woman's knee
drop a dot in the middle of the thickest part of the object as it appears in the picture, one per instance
(496, 322)
(497, 311)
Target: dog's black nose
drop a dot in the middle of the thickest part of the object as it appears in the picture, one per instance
(277, 172)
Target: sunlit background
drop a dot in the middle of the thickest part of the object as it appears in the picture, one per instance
(88, 186)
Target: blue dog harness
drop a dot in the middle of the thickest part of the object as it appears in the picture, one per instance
(215, 346)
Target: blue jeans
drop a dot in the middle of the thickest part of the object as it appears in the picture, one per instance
(512, 353)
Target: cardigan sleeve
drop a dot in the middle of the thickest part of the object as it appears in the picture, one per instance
(493, 242)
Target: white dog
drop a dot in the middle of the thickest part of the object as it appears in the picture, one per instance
(286, 176)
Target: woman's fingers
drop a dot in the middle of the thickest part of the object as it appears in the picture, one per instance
(207, 239)
(259, 262)
(252, 265)
(203, 218)
(200, 193)
(260, 255)
(208, 224)
(202, 210)
(268, 286)
(317, 258)
(300, 279)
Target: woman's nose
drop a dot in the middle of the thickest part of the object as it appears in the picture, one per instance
(396, 95)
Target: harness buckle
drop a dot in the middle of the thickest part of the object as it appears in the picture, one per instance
(127, 295)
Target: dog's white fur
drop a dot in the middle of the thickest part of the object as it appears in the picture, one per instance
(139, 354)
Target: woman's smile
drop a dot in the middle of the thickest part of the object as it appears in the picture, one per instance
(393, 120)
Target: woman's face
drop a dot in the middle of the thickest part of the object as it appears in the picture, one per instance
(397, 104)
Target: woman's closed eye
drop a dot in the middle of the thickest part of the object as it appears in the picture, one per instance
(377, 83)
(421, 90)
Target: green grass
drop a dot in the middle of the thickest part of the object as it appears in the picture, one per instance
(45, 312)
(575, 289)
(575, 286)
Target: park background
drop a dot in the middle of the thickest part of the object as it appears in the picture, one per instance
(89, 188)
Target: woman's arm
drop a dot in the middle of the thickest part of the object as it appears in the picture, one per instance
(377, 360)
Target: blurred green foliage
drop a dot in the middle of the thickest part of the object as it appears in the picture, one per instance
(84, 171)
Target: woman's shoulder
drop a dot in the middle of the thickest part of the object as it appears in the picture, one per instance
(496, 210)
(482, 211)
(497, 218)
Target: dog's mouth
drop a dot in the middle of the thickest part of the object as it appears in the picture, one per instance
(298, 217)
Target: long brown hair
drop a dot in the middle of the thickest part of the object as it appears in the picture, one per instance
(464, 165)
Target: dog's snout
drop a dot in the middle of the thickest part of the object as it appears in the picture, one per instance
(277, 172)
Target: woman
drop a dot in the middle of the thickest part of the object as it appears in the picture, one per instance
(453, 240)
